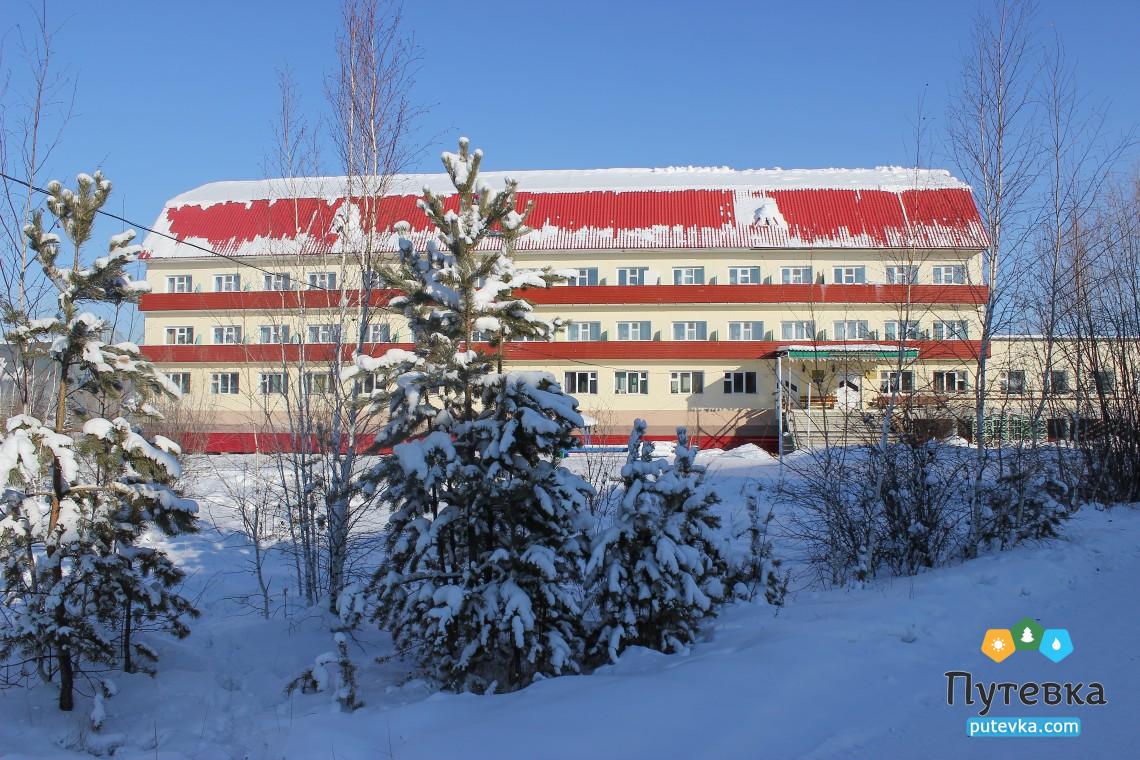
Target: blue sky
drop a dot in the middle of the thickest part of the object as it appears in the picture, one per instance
(173, 95)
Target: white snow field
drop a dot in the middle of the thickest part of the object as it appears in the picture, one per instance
(836, 674)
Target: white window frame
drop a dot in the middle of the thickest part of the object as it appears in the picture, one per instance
(690, 330)
(796, 275)
(631, 382)
(736, 383)
(1013, 389)
(225, 383)
(744, 275)
(227, 335)
(325, 332)
(901, 381)
(850, 274)
(694, 379)
(689, 275)
(227, 283)
(949, 274)
(585, 276)
(273, 333)
(895, 329)
(632, 275)
(312, 387)
(842, 328)
(746, 330)
(952, 329)
(179, 283)
(182, 380)
(902, 274)
(574, 386)
(179, 335)
(797, 329)
(322, 280)
(278, 281)
(272, 383)
(576, 330)
(951, 381)
(378, 332)
(631, 328)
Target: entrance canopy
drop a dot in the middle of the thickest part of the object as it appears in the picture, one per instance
(852, 351)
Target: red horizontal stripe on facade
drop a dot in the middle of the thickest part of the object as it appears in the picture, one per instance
(595, 295)
(538, 352)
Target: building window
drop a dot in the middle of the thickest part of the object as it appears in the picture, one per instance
(581, 382)
(797, 330)
(179, 336)
(274, 333)
(906, 274)
(739, 382)
(318, 383)
(322, 280)
(690, 331)
(851, 329)
(224, 334)
(224, 383)
(901, 330)
(632, 276)
(634, 331)
(378, 333)
(628, 382)
(958, 329)
(584, 276)
(227, 283)
(271, 382)
(278, 281)
(850, 275)
(180, 283)
(795, 275)
(1104, 381)
(181, 381)
(746, 331)
(688, 275)
(952, 381)
(744, 275)
(324, 333)
(1057, 382)
(950, 274)
(584, 331)
(687, 382)
(1013, 382)
(891, 381)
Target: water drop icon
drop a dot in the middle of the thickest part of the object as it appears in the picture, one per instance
(1056, 644)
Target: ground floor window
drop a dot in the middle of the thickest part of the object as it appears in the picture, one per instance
(271, 382)
(631, 382)
(739, 382)
(224, 383)
(581, 382)
(953, 381)
(181, 380)
(686, 382)
(891, 381)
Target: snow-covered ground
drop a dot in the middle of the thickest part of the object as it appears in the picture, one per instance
(836, 674)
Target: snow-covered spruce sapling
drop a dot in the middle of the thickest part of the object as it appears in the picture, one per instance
(660, 569)
(759, 567)
(80, 493)
(482, 548)
(331, 672)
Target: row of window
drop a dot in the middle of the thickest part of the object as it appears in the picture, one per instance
(941, 274)
(232, 283)
(687, 382)
(231, 334)
(802, 329)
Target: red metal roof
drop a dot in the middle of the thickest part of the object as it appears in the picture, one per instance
(605, 219)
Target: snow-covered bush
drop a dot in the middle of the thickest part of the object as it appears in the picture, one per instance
(659, 570)
(79, 493)
(1025, 499)
(759, 568)
(331, 672)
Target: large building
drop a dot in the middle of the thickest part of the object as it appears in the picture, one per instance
(699, 297)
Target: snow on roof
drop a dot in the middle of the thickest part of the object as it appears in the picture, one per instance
(677, 207)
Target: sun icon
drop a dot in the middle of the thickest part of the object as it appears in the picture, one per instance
(998, 644)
